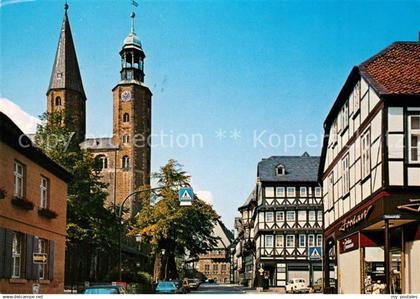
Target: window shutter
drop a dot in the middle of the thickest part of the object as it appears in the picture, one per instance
(35, 268)
(29, 256)
(51, 261)
(2, 250)
(8, 254)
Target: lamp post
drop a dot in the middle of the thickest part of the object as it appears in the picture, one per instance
(120, 218)
(166, 263)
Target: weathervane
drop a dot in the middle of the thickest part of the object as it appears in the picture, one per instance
(133, 14)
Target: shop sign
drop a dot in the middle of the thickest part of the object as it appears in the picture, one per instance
(356, 219)
(350, 243)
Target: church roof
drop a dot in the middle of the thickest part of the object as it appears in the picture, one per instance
(66, 72)
(98, 143)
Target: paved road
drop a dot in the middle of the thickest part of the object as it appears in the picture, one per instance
(219, 289)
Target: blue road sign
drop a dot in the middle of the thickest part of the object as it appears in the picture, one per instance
(186, 196)
(315, 253)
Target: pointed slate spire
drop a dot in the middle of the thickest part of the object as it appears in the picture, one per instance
(66, 73)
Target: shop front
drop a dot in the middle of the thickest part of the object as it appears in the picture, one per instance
(377, 246)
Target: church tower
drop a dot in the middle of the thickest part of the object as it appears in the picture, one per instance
(132, 119)
(65, 92)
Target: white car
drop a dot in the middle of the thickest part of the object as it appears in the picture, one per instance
(297, 285)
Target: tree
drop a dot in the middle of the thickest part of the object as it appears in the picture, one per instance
(174, 230)
(92, 227)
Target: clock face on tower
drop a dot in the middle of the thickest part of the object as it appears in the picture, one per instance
(126, 96)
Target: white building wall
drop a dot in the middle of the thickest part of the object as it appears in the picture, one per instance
(338, 203)
(349, 273)
(412, 254)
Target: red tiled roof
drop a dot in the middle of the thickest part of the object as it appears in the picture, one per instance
(395, 70)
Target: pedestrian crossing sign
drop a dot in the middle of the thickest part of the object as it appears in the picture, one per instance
(315, 253)
(186, 196)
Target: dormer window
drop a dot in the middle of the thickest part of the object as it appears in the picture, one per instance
(280, 170)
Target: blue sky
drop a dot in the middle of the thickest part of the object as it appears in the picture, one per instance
(240, 68)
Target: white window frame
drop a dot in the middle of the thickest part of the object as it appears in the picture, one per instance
(411, 133)
(280, 192)
(303, 192)
(311, 240)
(290, 213)
(291, 191)
(292, 239)
(319, 215)
(346, 174)
(319, 240)
(302, 241)
(269, 191)
(280, 170)
(19, 179)
(345, 116)
(312, 215)
(44, 191)
(269, 216)
(279, 216)
(267, 240)
(17, 247)
(365, 143)
(356, 97)
(330, 200)
(43, 248)
(279, 241)
(318, 192)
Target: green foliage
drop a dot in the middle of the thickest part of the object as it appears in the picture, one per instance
(91, 226)
(167, 225)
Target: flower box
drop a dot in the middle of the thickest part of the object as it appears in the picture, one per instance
(22, 203)
(47, 213)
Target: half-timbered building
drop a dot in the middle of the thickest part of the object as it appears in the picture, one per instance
(245, 246)
(288, 220)
(370, 172)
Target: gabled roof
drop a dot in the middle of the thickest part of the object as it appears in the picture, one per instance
(251, 197)
(223, 234)
(394, 70)
(394, 73)
(298, 169)
(66, 72)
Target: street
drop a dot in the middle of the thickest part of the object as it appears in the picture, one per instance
(219, 289)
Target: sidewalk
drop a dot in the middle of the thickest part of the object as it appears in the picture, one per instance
(269, 291)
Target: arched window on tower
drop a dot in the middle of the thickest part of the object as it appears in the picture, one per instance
(102, 161)
(58, 101)
(126, 117)
(126, 139)
(125, 162)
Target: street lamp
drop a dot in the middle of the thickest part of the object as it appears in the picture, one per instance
(121, 220)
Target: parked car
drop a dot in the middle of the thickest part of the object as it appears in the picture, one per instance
(169, 287)
(297, 285)
(194, 283)
(105, 289)
(318, 285)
